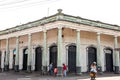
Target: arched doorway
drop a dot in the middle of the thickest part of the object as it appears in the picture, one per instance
(92, 56)
(72, 59)
(109, 59)
(38, 59)
(14, 55)
(53, 55)
(6, 62)
(25, 56)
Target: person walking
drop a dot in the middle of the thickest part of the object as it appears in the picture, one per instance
(93, 71)
(51, 68)
(64, 70)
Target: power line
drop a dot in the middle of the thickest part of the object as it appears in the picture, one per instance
(26, 4)
(21, 1)
(12, 3)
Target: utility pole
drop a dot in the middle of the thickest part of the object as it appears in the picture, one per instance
(48, 11)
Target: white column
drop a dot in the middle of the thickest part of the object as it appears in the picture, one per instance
(29, 53)
(67, 55)
(48, 58)
(17, 54)
(99, 53)
(3, 60)
(33, 59)
(44, 60)
(116, 53)
(78, 55)
(60, 52)
(7, 55)
(11, 59)
(20, 58)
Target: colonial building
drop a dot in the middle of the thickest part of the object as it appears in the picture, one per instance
(59, 39)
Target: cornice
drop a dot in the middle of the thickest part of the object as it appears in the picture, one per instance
(61, 17)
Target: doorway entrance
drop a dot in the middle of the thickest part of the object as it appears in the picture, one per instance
(92, 56)
(38, 59)
(53, 55)
(109, 59)
(25, 56)
(72, 59)
(14, 55)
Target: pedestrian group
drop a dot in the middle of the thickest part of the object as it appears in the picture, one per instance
(54, 70)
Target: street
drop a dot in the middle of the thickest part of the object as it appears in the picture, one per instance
(38, 76)
(105, 78)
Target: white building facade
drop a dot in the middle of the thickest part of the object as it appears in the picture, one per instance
(59, 39)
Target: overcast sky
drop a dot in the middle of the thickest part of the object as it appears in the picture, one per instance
(16, 12)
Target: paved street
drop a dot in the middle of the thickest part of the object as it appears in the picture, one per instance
(105, 78)
(37, 76)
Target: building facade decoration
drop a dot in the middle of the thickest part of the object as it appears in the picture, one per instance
(59, 39)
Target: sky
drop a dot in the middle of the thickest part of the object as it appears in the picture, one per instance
(17, 12)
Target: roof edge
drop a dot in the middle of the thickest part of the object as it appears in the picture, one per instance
(58, 17)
